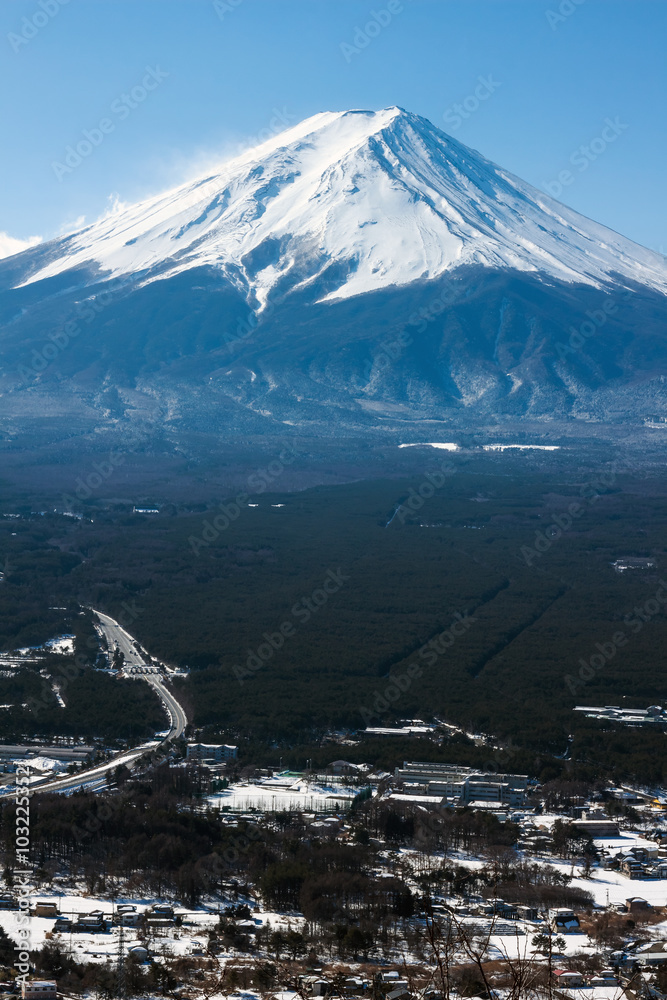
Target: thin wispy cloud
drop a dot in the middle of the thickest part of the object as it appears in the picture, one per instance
(10, 245)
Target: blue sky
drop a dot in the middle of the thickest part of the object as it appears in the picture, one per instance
(223, 71)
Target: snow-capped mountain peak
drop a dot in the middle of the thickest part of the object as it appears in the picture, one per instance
(348, 203)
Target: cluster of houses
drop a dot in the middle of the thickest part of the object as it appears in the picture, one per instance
(643, 956)
(561, 920)
(389, 985)
(642, 863)
(97, 922)
(567, 980)
(430, 785)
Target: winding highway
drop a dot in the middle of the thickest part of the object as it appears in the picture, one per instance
(137, 666)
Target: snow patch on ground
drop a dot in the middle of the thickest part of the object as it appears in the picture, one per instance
(445, 445)
(63, 644)
(521, 447)
(274, 796)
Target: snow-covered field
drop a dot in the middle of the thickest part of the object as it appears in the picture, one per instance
(42, 764)
(450, 446)
(616, 886)
(445, 445)
(63, 644)
(277, 795)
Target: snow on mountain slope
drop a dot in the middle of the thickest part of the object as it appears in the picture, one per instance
(358, 201)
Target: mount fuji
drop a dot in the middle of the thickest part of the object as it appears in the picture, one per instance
(359, 272)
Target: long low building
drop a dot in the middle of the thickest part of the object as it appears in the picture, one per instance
(211, 751)
(654, 715)
(39, 989)
(462, 785)
(599, 828)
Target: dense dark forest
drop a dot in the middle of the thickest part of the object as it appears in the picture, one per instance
(355, 605)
